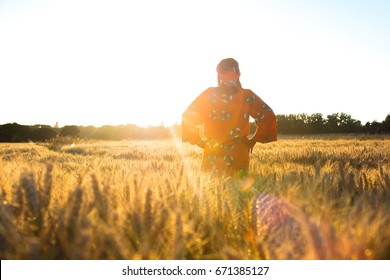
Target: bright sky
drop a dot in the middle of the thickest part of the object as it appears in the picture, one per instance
(91, 62)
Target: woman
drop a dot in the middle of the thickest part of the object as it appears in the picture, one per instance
(218, 121)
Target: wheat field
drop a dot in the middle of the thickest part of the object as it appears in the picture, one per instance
(304, 199)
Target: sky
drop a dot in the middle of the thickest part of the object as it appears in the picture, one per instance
(114, 62)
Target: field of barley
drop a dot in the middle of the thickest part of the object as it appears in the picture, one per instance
(304, 199)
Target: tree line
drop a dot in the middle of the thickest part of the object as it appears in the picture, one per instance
(13, 132)
(334, 123)
(286, 124)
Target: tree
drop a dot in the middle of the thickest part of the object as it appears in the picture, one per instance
(292, 124)
(385, 127)
(343, 123)
(348, 124)
(70, 130)
(13, 132)
(282, 124)
(316, 123)
(333, 123)
(105, 132)
(42, 133)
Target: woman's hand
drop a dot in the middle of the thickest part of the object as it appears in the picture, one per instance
(250, 143)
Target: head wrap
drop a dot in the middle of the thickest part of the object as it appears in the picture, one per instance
(228, 64)
(228, 72)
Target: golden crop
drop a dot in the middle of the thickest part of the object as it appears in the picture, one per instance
(304, 199)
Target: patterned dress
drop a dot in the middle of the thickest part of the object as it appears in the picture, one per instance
(218, 121)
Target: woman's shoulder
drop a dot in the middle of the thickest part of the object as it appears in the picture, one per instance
(210, 91)
(247, 91)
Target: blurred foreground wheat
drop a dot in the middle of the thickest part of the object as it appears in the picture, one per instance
(304, 199)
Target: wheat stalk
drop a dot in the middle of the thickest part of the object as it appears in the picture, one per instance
(100, 202)
(47, 186)
(74, 205)
(178, 246)
(276, 228)
(9, 236)
(31, 195)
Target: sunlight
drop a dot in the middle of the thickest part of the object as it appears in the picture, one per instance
(94, 62)
(188, 169)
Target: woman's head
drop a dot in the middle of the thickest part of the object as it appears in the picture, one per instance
(228, 73)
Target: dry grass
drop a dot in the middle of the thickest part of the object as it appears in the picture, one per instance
(305, 199)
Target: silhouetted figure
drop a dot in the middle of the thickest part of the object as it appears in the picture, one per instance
(218, 121)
